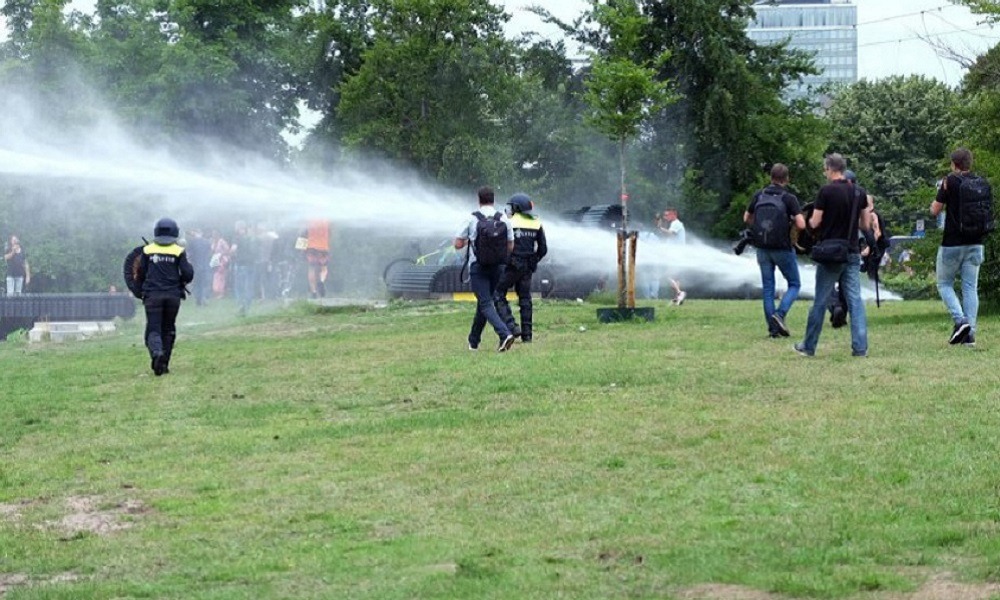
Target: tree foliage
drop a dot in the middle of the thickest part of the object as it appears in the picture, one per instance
(433, 88)
(894, 132)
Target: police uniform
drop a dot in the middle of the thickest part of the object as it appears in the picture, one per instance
(529, 248)
(163, 272)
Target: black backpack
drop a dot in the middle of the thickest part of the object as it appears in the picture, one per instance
(975, 206)
(770, 227)
(491, 240)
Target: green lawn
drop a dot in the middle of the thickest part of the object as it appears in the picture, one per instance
(366, 453)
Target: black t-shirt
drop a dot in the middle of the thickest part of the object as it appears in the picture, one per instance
(948, 195)
(791, 202)
(837, 199)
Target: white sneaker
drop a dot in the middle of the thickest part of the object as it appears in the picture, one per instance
(680, 298)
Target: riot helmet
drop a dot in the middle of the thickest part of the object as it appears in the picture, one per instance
(520, 203)
(166, 231)
(850, 176)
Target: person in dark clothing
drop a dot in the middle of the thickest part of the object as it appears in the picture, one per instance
(199, 251)
(778, 253)
(837, 303)
(962, 249)
(529, 248)
(163, 272)
(838, 215)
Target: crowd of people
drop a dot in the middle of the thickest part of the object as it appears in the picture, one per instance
(256, 262)
(845, 234)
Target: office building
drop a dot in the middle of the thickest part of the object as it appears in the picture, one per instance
(825, 28)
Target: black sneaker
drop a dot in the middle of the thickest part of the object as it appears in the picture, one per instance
(970, 340)
(960, 333)
(159, 364)
(505, 344)
(779, 325)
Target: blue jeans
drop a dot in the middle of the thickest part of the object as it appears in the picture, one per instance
(964, 261)
(826, 277)
(785, 261)
(484, 282)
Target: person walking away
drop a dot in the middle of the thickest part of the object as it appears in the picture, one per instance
(317, 256)
(529, 248)
(199, 251)
(676, 235)
(18, 272)
(837, 215)
(967, 201)
(163, 272)
(490, 239)
(244, 257)
(770, 215)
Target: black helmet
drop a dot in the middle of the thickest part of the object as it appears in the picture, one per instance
(520, 203)
(850, 176)
(166, 231)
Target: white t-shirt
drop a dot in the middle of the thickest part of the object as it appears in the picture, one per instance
(679, 233)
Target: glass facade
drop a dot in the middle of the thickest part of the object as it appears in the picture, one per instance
(826, 28)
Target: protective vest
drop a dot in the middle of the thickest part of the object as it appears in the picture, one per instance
(529, 238)
(165, 269)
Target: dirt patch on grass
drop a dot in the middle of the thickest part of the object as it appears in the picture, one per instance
(9, 581)
(10, 512)
(939, 587)
(713, 591)
(943, 587)
(87, 514)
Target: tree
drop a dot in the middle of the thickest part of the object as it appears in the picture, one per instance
(895, 132)
(708, 145)
(200, 69)
(434, 88)
(622, 90)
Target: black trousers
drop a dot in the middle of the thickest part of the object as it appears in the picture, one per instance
(161, 324)
(520, 280)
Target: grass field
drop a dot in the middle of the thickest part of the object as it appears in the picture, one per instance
(366, 453)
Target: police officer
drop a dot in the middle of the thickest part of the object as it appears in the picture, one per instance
(529, 248)
(163, 272)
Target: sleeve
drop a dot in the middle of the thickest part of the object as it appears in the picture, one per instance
(140, 274)
(510, 228)
(186, 270)
(753, 203)
(792, 203)
(463, 233)
(542, 247)
(942, 193)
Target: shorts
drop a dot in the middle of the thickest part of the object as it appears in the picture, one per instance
(317, 257)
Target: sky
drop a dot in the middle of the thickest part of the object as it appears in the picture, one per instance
(889, 34)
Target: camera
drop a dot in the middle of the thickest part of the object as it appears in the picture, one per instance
(742, 243)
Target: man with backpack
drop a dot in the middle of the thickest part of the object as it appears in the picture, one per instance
(490, 239)
(967, 200)
(770, 215)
